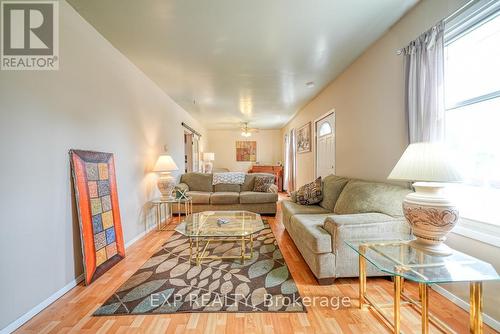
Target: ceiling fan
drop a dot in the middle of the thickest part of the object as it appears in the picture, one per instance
(246, 131)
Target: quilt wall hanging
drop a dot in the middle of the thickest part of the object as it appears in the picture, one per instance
(98, 211)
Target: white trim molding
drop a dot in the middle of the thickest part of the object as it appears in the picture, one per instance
(480, 231)
(40, 307)
(58, 294)
(465, 306)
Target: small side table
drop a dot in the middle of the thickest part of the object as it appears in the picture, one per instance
(164, 207)
(401, 260)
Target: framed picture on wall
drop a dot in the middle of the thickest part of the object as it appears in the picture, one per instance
(246, 151)
(304, 138)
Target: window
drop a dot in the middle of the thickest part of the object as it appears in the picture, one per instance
(472, 100)
(325, 129)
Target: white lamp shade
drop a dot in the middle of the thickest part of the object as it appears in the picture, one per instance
(165, 163)
(428, 162)
(208, 156)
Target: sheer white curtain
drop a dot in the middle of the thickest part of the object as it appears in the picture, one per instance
(424, 85)
(290, 153)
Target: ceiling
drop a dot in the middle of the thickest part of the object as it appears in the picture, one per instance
(229, 61)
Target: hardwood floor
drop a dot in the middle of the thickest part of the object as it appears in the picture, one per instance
(73, 312)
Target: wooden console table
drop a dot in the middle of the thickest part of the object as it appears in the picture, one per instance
(271, 169)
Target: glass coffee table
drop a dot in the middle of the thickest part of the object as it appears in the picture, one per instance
(222, 226)
(402, 261)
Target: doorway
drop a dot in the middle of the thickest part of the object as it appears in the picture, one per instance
(325, 145)
(191, 152)
(188, 152)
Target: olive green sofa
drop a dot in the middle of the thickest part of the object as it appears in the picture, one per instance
(225, 197)
(351, 209)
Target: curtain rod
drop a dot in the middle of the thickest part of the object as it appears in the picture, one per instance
(457, 12)
(191, 129)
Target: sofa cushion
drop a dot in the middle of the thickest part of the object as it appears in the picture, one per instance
(225, 197)
(290, 209)
(362, 197)
(224, 187)
(309, 230)
(250, 180)
(295, 208)
(198, 181)
(310, 193)
(247, 197)
(200, 197)
(364, 226)
(332, 187)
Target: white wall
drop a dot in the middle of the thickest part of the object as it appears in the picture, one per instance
(98, 100)
(223, 144)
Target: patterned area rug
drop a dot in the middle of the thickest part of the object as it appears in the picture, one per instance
(169, 283)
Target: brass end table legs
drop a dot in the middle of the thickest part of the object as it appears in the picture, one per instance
(397, 304)
(164, 211)
(422, 305)
(362, 278)
(476, 307)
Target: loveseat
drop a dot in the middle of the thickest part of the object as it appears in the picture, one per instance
(224, 197)
(351, 209)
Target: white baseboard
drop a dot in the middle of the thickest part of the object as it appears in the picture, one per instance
(37, 309)
(139, 236)
(40, 307)
(464, 305)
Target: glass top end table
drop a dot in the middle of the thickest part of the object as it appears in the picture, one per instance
(224, 226)
(164, 208)
(398, 258)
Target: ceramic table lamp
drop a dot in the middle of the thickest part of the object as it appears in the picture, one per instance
(208, 157)
(166, 182)
(429, 211)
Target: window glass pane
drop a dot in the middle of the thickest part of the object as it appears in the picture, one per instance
(325, 129)
(477, 203)
(472, 64)
(473, 133)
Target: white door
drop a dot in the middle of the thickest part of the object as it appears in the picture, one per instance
(325, 146)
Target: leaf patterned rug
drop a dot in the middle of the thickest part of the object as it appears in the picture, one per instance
(169, 283)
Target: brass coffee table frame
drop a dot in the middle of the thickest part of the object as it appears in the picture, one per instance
(421, 305)
(197, 250)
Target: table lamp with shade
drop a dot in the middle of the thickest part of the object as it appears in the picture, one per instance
(208, 157)
(428, 210)
(166, 182)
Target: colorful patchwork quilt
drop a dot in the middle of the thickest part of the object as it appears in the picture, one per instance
(98, 211)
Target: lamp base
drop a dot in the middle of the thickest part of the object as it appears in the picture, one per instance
(431, 216)
(166, 185)
(208, 167)
(433, 249)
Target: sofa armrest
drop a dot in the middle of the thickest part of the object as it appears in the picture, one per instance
(182, 187)
(273, 189)
(364, 226)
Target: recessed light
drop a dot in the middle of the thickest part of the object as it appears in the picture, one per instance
(310, 84)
